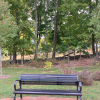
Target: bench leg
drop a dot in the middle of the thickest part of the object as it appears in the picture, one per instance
(77, 97)
(80, 97)
(15, 97)
(20, 96)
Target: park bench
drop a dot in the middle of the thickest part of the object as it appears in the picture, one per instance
(48, 79)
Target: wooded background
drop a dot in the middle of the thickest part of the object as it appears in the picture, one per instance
(44, 26)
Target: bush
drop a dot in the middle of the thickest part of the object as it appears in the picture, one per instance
(85, 77)
(96, 76)
(48, 65)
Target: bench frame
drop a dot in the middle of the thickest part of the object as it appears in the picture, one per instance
(38, 81)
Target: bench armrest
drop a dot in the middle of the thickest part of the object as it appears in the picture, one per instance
(80, 85)
(15, 84)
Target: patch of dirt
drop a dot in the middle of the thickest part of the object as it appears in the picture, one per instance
(83, 62)
(5, 76)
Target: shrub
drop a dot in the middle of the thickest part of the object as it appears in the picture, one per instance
(85, 77)
(96, 76)
(48, 65)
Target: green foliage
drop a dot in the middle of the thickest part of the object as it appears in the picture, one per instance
(73, 25)
(86, 52)
(95, 21)
(23, 39)
(46, 48)
(48, 65)
(72, 31)
(8, 26)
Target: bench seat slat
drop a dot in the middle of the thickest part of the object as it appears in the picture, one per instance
(48, 92)
(48, 83)
(50, 78)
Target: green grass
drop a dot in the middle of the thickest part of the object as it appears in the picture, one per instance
(96, 68)
(6, 85)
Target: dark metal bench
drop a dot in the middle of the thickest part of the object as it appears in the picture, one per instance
(48, 79)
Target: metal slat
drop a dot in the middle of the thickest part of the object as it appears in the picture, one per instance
(48, 92)
(48, 79)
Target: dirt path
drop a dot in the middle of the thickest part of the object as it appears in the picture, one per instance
(40, 98)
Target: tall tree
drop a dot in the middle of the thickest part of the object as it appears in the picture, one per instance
(45, 8)
(57, 4)
(35, 37)
(95, 22)
(14, 53)
(8, 26)
(93, 39)
(20, 10)
(73, 25)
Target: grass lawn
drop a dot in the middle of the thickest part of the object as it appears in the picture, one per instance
(6, 85)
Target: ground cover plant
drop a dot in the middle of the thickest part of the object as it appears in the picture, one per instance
(90, 92)
(96, 76)
(85, 76)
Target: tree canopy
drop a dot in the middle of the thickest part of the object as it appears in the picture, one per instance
(8, 26)
(51, 26)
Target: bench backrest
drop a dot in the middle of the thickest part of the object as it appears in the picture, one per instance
(49, 79)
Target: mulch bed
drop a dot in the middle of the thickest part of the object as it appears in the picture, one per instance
(5, 76)
(41, 98)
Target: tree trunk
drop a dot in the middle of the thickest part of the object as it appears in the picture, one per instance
(96, 38)
(14, 53)
(35, 57)
(38, 36)
(96, 48)
(11, 57)
(55, 29)
(74, 54)
(93, 38)
(46, 31)
(14, 58)
(23, 55)
(22, 62)
(93, 47)
(55, 38)
(0, 62)
(80, 53)
(96, 2)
